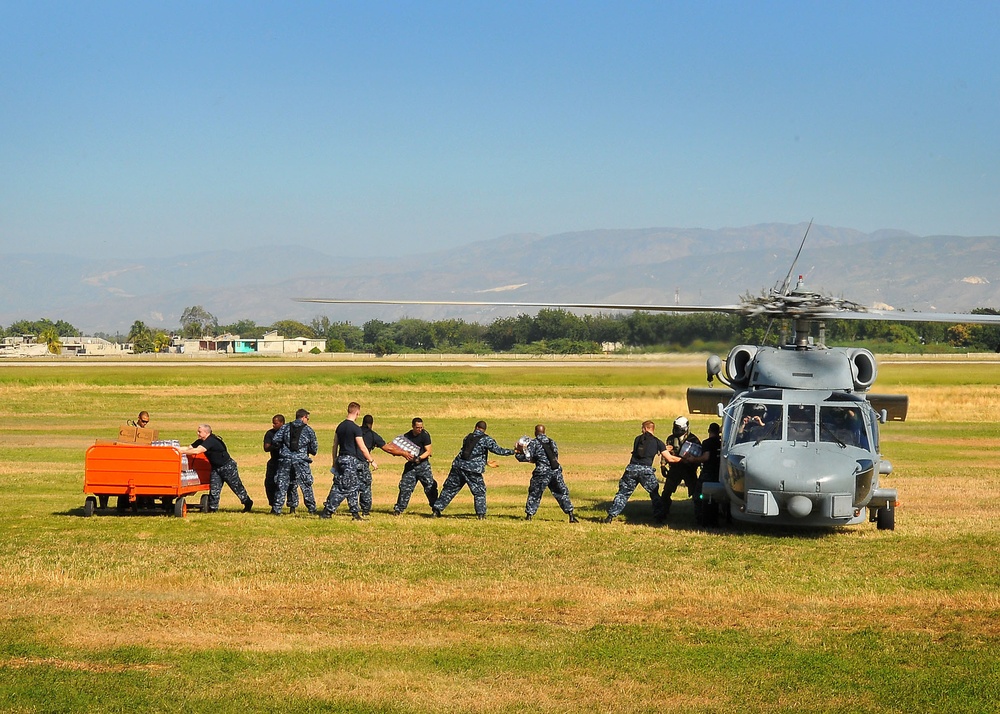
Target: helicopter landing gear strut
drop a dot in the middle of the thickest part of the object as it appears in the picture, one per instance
(885, 518)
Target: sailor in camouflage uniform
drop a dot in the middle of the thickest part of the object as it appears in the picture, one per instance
(349, 452)
(544, 454)
(468, 467)
(296, 443)
(640, 471)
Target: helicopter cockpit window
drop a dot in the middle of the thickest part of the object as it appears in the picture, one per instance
(759, 422)
(801, 422)
(843, 425)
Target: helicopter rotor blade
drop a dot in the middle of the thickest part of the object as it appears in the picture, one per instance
(798, 306)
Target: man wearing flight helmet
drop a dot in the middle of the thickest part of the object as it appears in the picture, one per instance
(681, 461)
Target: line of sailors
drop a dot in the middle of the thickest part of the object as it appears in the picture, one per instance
(292, 445)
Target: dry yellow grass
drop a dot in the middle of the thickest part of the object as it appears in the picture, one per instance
(416, 589)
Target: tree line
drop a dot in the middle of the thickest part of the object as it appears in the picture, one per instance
(550, 331)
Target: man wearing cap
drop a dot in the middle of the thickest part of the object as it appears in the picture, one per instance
(681, 461)
(707, 513)
(296, 443)
(640, 471)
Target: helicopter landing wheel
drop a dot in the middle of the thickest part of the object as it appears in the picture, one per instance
(885, 518)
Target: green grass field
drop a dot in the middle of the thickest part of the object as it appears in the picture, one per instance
(234, 612)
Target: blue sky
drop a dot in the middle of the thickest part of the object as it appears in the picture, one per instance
(371, 128)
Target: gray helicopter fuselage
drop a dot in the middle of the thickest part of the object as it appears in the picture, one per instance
(800, 439)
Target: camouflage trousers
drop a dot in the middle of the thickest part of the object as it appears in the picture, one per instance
(230, 475)
(408, 481)
(453, 484)
(636, 475)
(346, 483)
(365, 488)
(286, 484)
(270, 485)
(552, 480)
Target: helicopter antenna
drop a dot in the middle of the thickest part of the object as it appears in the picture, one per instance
(788, 278)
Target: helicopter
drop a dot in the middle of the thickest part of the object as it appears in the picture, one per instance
(800, 426)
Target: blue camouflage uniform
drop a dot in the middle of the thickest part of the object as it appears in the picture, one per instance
(372, 441)
(469, 470)
(544, 475)
(640, 472)
(346, 471)
(293, 465)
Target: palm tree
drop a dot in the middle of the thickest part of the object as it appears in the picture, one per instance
(140, 337)
(50, 338)
(161, 341)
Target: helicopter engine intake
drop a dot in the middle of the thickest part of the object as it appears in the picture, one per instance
(864, 368)
(739, 365)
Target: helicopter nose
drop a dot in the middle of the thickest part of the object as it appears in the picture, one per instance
(799, 506)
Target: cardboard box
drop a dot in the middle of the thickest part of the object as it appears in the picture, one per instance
(137, 435)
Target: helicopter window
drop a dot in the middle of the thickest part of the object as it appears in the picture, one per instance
(759, 422)
(843, 425)
(801, 422)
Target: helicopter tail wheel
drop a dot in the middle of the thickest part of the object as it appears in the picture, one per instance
(885, 518)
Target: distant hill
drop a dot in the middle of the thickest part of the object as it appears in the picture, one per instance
(652, 266)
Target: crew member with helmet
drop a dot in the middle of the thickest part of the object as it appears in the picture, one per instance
(640, 472)
(681, 461)
(467, 468)
(544, 454)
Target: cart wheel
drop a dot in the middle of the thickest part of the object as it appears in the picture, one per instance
(103, 501)
(180, 507)
(204, 503)
(89, 505)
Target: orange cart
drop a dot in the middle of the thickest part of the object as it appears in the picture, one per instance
(131, 471)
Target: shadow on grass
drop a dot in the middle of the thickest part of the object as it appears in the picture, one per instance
(682, 518)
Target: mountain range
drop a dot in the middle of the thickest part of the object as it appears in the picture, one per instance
(666, 266)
